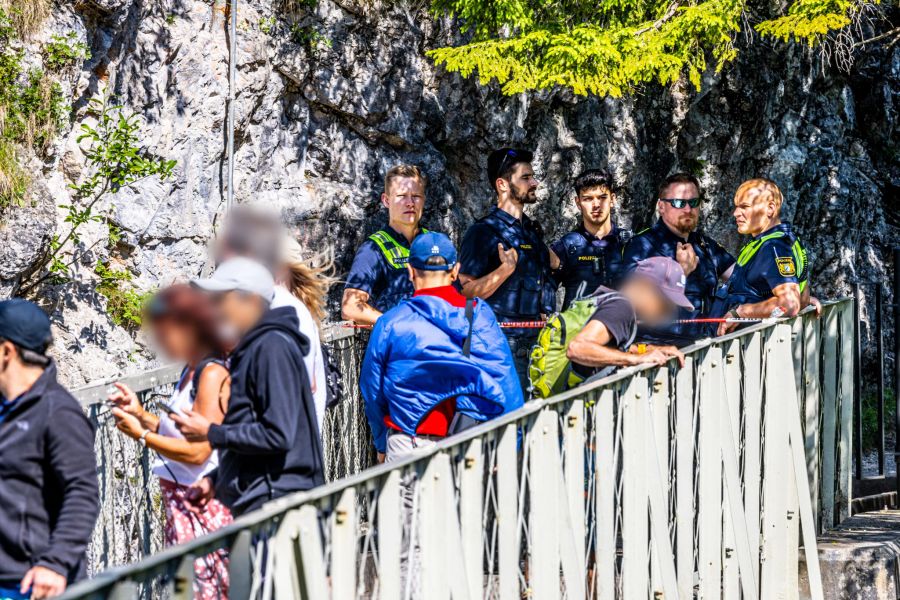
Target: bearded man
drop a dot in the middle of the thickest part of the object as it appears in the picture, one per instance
(503, 257)
(676, 235)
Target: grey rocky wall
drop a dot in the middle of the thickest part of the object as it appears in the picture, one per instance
(320, 117)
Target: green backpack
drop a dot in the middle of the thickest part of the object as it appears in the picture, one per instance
(549, 369)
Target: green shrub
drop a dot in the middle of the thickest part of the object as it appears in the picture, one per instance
(124, 303)
(14, 179)
(64, 51)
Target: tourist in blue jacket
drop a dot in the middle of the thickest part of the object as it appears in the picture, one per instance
(421, 379)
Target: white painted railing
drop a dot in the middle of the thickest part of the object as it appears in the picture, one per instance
(654, 482)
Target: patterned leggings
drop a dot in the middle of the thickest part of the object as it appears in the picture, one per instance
(182, 525)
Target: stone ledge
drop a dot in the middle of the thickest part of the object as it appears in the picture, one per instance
(860, 559)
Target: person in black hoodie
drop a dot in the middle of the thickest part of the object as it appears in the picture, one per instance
(48, 475)
(268, 441)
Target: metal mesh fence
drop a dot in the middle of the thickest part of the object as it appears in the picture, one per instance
(131, 521)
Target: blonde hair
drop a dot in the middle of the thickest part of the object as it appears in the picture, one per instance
(309, 278)
(398, 171)
(765, 190)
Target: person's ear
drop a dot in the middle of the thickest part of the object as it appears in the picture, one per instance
(454, 271)
(613, 199)
(659, 207)
(411, 272)
(6, 354)
(385, 201)
(501, 184)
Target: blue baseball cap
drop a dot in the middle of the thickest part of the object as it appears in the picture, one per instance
(428, 245)
(25, 325)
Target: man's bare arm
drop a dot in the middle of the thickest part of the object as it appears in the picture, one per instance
(355, 307)
(590, 350)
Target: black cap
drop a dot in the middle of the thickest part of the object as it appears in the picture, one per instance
(24, 324)
(504, 158)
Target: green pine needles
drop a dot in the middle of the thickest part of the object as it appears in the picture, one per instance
(608, 47)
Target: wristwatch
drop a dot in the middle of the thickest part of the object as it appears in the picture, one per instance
(143, 438)
(734, 313)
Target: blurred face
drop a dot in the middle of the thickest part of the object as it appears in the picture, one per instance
(595, 205)
(680, 220)
(522, 185)
(753, 211)
(176, 340)
(404, 199)
(649, 303)
(237, 313)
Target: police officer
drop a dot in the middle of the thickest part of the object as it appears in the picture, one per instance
(503, 256)
(591, 255)
(676, 235)
(771, 276)
(378, 279)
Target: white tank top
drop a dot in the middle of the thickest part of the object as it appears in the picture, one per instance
(172, 470)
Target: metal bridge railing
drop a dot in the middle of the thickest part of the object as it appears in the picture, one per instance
(130, 525)
(658, 482)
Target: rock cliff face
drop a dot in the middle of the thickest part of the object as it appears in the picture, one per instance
(326, 106)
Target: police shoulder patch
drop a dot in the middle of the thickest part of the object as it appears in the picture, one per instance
(786, 267)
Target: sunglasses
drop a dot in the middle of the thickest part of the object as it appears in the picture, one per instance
(681, 203)
(512, 157)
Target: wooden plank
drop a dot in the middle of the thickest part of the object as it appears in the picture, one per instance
(635, 540)
(798, 460)
(773, 574)
(811, 407)
(544, 468)
(343, 547)
(829, 417)
(432, 529)
(684, 478)
(605, 482)
(751, 363)
(471, 506)
(709, 512)
(731, 423)
(390, 526)
(507, 514)
(573, 442)
(845, 473)
(658, 416)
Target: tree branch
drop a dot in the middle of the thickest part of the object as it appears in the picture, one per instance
(670, 12)
(895, 33)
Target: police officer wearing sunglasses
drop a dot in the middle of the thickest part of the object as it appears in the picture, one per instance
(676, 235)
(503, 257)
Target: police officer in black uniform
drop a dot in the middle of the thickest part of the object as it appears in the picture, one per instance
(378, 279)
(503, 257)
(591, 255)
(676, 235)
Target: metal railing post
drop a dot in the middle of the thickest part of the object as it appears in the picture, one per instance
(879, 380)
(895, 300)
(857, 386)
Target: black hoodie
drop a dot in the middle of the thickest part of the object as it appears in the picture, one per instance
(48, 482)
(268, 442)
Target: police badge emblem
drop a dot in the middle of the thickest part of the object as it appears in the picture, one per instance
(786, 266)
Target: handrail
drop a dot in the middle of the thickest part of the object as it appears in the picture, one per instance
(157, 564)
(97, 391)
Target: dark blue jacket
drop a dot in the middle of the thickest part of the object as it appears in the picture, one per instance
(48, 482)
(530, 290)
(415, 361)
(586, 262)
(700, 288)
(268, 442)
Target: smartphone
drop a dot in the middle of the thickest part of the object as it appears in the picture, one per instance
(169, 408)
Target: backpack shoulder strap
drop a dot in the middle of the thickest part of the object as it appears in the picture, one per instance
(198, 371)
(470, 317)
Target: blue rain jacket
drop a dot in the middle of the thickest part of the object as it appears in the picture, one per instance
(414, 362)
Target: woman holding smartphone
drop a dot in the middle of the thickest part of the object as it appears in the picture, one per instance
(182, 323)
